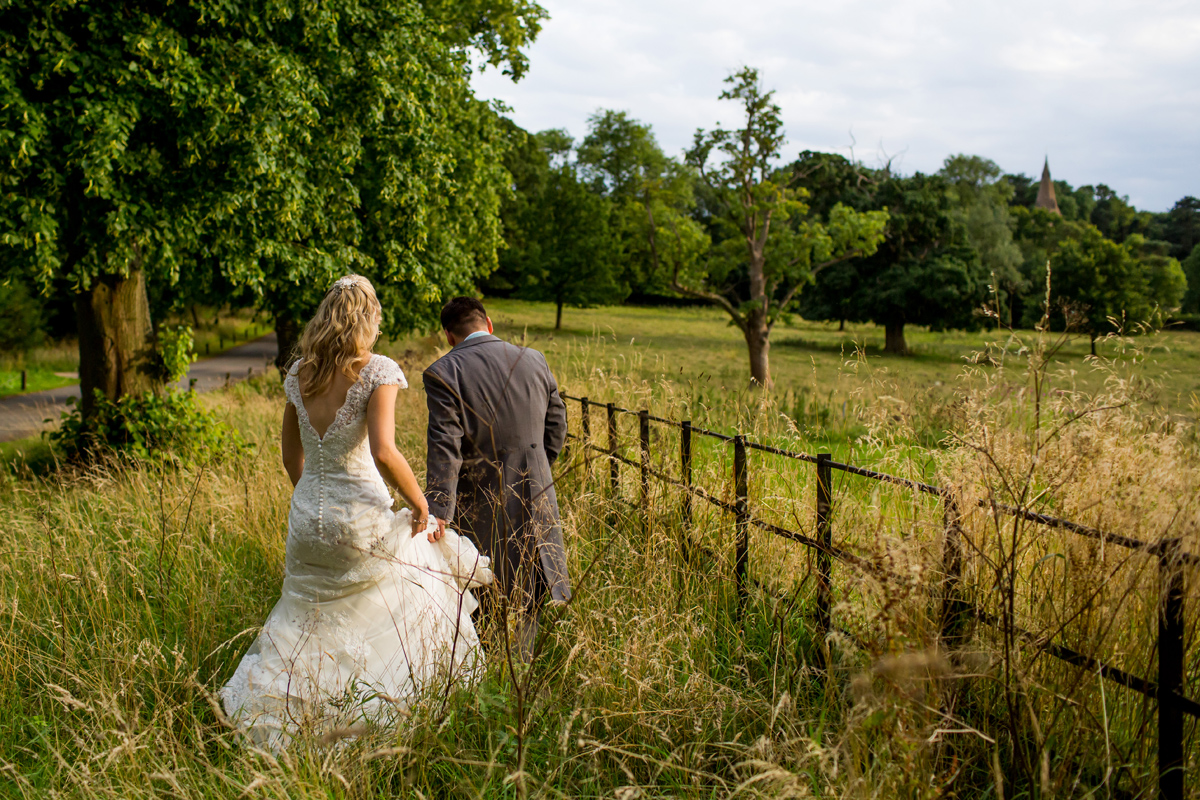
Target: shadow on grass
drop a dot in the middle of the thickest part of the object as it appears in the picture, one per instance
(511, 331)
(944, 354)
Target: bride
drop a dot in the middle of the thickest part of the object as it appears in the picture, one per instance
(375, 609)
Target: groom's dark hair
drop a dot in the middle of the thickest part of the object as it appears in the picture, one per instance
(462, 315)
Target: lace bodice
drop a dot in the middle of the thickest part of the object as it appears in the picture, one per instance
(379, 371)
(341, 494)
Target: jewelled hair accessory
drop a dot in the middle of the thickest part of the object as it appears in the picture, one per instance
(346, 282)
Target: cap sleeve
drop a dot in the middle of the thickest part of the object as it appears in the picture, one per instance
(291, 385)
(388, 373)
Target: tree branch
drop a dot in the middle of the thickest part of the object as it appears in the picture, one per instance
(852, 253)
(787, 299)
(712, 297)
(701, 294)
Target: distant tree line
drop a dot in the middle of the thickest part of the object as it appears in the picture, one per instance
(733, 224)
(204, 153)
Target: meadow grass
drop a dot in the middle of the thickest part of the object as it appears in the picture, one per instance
(41, 365)
(128, 593)
(699, 347)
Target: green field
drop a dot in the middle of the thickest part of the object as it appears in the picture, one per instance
(699, 346)
(41, 365)
(129, 591)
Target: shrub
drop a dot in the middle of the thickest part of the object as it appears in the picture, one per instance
(1185, 322)
(174, 354)
(169, 427)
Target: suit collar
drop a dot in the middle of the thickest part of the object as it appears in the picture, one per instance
(477, 340)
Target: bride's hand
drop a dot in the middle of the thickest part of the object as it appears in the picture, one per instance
(420, 519)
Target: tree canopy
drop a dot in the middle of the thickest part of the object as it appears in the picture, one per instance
(262, 146)
(1191, 270)
(560, 242)
(1099, 285)
(925, 272)
(981, 203)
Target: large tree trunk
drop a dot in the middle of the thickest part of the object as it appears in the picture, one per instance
(287, 334)
(758, 342)
(558, 317)
(894, 339)
(1092, 335)
(116, 340)
(841, 325)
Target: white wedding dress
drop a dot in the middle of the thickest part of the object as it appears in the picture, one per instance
(370, 617)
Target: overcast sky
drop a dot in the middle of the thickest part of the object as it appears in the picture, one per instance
(1110, 91)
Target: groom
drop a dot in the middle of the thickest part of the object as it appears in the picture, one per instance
(496, 424)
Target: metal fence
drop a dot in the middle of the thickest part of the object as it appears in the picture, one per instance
(1166, 689)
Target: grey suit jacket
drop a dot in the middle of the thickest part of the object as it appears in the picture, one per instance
(496, 424)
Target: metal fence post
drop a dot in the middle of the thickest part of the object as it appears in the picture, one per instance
(824, 555)
(614, 475)
(1170, 672)
(644, 442)
(953, 613)
(741, 521)
(585, 422)
(685, 475)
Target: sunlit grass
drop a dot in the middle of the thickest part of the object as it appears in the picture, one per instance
(126, 604)
(699, 347)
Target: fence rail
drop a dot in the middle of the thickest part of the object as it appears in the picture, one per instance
(1166, 691)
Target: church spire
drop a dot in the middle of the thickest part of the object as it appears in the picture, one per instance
(1045, 196)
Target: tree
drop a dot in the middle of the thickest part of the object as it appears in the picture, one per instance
(1115, 217)
(1181, 227)
(21, 319)
(1191, 270)
(1166, 282)
(560, 246)
(257, 145)
(982, 201)
(1101, 285)
(621, 160)
(768, 245)
(1038, 233)
(926, 271)
(831, 179)
(619, 155)
(1024, 189)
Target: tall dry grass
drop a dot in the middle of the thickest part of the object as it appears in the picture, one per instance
(128, 595)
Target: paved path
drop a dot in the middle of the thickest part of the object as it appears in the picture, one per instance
(25, 415)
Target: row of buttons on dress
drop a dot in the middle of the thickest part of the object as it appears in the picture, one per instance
(320, 489)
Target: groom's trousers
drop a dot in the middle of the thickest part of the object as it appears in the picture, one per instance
(497, 620)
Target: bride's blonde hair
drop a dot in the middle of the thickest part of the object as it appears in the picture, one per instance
(344, 329)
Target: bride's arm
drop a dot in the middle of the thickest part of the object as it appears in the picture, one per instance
(293, 449)
(381, 430)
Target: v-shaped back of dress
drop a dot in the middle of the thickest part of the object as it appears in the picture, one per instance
(338, 410)
(340, 495)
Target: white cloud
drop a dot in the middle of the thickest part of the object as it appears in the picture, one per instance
(1107, 89)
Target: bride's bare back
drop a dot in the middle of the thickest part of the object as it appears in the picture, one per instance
(323, 408)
